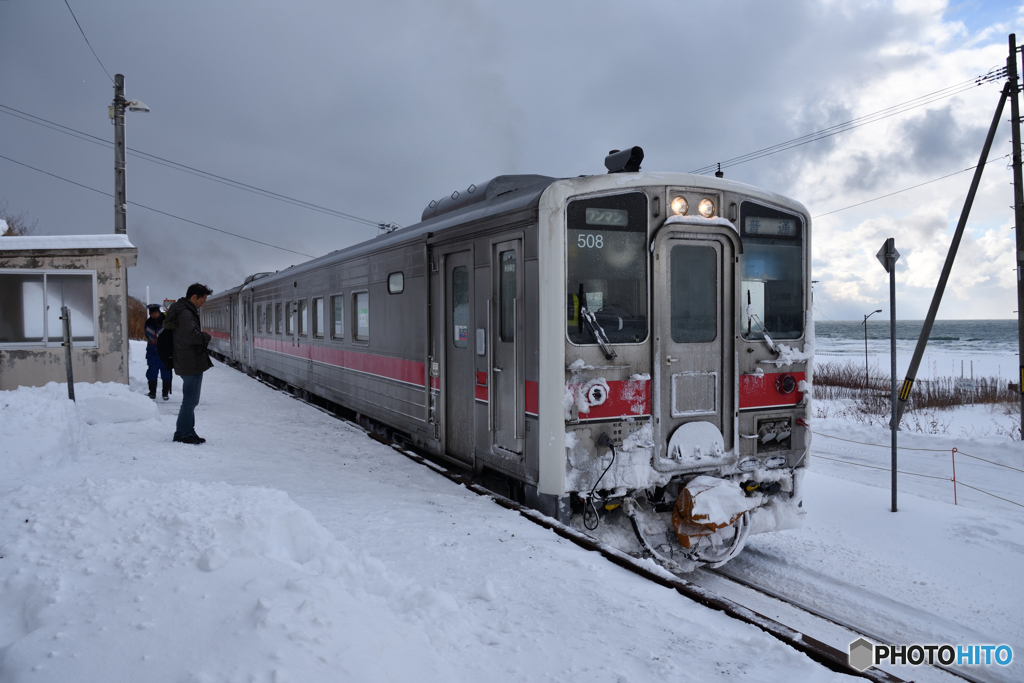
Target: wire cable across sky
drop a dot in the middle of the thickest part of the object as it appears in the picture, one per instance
(854, 123)
(87, 41)
(87, 137)
(150, 208)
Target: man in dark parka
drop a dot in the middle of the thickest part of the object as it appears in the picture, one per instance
(191, 358)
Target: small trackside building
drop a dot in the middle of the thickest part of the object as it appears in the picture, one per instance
(86, 273)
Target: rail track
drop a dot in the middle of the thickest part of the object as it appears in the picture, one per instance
(738, 597)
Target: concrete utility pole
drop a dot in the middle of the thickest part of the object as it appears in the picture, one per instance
(1018, 207)
(116, 112)
(120, 202)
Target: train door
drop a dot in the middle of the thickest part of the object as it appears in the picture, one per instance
(459, 355)
(233, 328)
(506, 386)
(695, 366)
(247, 324)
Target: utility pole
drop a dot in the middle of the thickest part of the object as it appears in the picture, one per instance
(116, 112)
(1018, 208)
(120, 201)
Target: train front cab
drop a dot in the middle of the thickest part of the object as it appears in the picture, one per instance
(691, 366)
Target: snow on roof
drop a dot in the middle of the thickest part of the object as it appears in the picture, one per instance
(55, 242)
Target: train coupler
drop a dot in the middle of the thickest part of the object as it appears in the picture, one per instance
(632, 510)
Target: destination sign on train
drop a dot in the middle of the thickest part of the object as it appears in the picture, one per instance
(773, 227)
(596, 216)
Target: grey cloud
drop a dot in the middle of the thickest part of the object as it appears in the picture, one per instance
(376, 108)
(934, 141)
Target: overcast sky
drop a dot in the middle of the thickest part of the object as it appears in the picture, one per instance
(374, 109)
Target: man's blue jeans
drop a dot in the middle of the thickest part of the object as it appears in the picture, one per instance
(191, 386)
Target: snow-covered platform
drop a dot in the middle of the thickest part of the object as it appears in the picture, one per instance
(292, 547)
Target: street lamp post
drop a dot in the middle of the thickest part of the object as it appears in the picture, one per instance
(866, 377)
(116, 112)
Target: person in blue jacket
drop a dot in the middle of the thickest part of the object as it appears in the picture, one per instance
(154, 326)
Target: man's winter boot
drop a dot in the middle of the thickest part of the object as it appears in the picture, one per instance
(152, 388)
(167, 390)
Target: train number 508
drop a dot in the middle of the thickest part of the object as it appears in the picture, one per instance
(590, 241)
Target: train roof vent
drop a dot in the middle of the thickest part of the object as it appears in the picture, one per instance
(495, 187)
(255, 276)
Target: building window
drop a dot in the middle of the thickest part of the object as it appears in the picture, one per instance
(303, 325)
(318, 317)
(338, 316)
(396, 283)
(30, 304)
(362, 302)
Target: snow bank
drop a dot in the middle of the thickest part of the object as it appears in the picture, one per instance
(40, 427)
(133, 562)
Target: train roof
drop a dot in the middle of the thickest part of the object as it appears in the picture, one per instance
(507, 193)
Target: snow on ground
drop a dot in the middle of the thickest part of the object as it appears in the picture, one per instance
(292, 547)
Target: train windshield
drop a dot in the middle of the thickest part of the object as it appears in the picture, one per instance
(771, 273)
(606, 249)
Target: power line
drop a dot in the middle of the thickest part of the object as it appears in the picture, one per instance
(150, 208)
(87, 41)
(87, 137)
(912, 187)
(948, 91)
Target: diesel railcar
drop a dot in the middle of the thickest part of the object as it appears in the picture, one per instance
(630, 346)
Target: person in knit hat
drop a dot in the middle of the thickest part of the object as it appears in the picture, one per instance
(154, 326)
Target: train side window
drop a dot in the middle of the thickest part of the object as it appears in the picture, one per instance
(507, 295)
(396, 283)
(289, 317)
(460, 307)
(259, 317)
(278, 318)
(318, 316)
(338, 316)
(303, 325)
(362, 312)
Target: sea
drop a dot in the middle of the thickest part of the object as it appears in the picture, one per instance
(956, 348)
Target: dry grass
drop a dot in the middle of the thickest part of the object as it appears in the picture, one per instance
(136, 319)
(867, 399)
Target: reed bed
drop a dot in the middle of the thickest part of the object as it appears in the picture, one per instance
(866, 398)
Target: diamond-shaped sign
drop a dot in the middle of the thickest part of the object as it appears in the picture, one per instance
(883, 255)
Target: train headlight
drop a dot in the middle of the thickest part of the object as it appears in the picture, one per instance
(706, 208)
(679, 206)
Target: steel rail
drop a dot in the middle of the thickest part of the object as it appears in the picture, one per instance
(828, 656)
(838, 621)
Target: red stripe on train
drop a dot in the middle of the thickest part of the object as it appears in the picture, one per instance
(626, 398)
(764, 391)
(408, 371)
